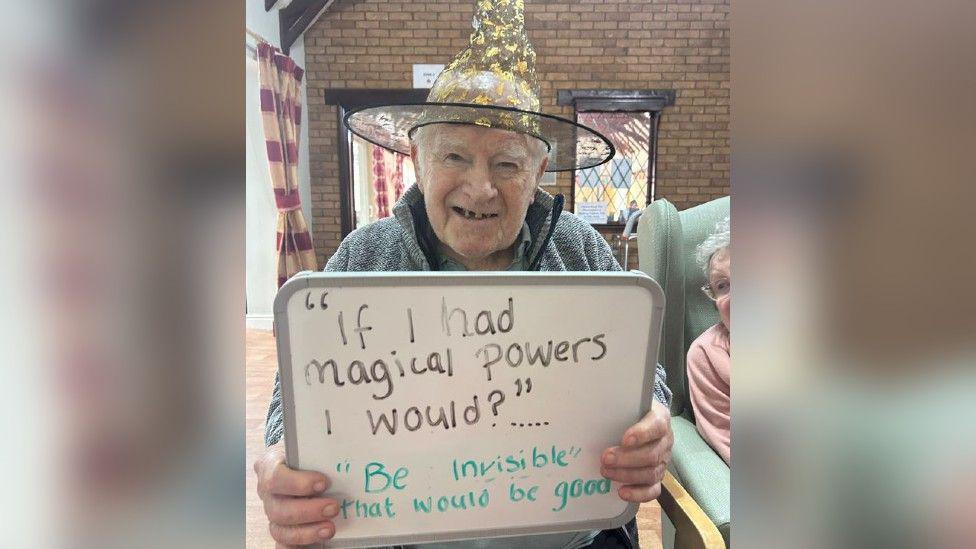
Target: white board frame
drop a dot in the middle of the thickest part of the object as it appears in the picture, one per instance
(315, 280)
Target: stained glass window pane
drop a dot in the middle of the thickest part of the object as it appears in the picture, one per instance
(623, 182)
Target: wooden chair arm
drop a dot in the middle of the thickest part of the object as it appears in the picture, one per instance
(693, 528)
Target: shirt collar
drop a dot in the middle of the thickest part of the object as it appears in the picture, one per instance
(519, 262)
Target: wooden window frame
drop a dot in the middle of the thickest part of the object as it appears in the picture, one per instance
(599, 100)
(345, 100)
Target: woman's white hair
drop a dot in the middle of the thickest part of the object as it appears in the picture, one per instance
(720, 239)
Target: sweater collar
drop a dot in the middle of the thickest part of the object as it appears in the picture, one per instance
(411, 214)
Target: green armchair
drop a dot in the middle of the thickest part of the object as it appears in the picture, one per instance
(666, 241)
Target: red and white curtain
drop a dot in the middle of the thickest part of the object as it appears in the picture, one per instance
(385, 180)
(281, 113)
(398, 177)
(379, 183)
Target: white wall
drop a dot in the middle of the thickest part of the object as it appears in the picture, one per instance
(260, 212)
(260, 263)
(262, 22)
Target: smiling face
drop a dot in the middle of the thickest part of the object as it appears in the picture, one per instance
(477, 184)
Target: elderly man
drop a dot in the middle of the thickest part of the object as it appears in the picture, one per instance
(476, 206)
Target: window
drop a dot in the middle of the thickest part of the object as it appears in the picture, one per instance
(370, 177)
(608, 194)
(379, 178)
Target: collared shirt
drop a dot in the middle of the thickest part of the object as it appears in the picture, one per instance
(519, 263)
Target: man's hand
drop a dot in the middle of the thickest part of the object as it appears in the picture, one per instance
(642, 457)
(297, 512)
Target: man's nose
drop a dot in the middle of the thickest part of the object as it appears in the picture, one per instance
(478, 184)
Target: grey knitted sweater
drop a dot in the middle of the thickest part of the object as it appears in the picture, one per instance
(406, 242)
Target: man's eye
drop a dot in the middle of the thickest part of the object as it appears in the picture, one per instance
(722, 285)
(452, 157)
(508, 165)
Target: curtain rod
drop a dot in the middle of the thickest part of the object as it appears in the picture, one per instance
(252, 51)
(256, 36)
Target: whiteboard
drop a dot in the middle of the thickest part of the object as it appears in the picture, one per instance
(449, 406)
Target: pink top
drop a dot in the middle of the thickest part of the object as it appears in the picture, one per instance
(709, 373)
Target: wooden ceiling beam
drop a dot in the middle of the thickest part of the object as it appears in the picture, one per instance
(295, 18)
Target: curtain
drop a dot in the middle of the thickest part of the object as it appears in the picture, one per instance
(281, 113)
(379, 182)
(398, 178)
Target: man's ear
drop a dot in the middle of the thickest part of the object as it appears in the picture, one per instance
(542, 169)
(415, 158)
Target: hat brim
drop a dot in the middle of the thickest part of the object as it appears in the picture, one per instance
(572, 146)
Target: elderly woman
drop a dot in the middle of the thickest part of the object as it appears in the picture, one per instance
(709, 360)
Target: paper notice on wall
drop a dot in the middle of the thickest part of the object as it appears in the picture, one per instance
(424, 75)
(592, 212)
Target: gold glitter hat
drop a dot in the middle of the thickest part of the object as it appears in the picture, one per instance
(491, 83)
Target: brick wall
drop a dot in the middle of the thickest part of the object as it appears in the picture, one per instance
(625, 44)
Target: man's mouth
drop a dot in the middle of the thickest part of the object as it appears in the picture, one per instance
(468, 214)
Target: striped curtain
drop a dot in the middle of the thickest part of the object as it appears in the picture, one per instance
(398, 178)
(281, 112)
(379, 182)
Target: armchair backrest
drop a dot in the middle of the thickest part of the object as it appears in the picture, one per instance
(666, 241)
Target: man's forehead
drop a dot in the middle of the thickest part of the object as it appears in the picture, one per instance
(466, 134)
